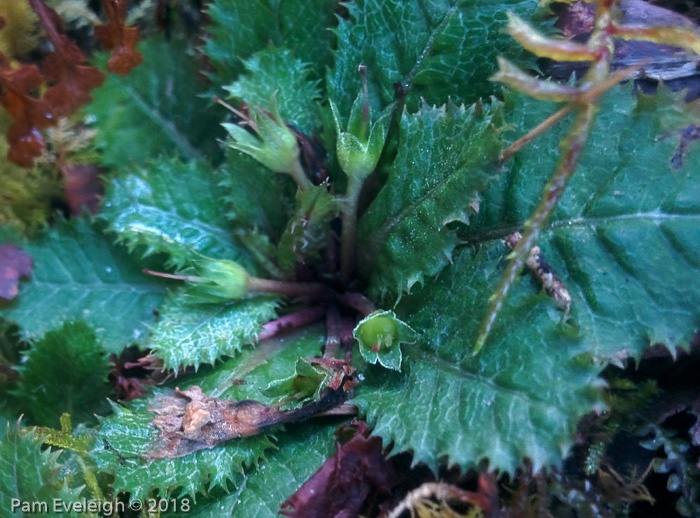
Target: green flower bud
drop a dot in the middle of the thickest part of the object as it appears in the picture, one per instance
(271, 142)
(380, 335)
(217, 281)
(360, 147)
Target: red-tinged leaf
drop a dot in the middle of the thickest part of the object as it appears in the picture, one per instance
(66, 67)
(83, 187)
(116, 36)
(29, 114)
(340, 487)
(14, 263)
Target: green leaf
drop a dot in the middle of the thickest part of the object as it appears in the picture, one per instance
(276, 70)
(155, 110)
(130, 435)
(29, 474)
(380, 336)
(72, 363)
(624, 236)
(172, 207)
(521, 397)
(622, 239)
(302, 387)
(300, 452)
(239, 29)
(446, 156)
(431, 50)
(80, 275)
(307, 232)
(188, 335)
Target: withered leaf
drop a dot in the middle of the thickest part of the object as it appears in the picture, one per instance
(116, 36)
(340, 487)
(13, 264)
(83, 187)
(66, 67)
(29, 114)
(191, 421)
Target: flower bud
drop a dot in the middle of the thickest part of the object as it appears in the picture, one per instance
(271, 142)
(360, 147)
(380, 335)
(217, 280)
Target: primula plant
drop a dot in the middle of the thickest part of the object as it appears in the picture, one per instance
(351, 259)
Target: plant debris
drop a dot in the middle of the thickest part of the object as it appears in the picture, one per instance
(340, 487)
(14, 263)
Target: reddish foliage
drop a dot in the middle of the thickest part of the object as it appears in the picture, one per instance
(13, 264)
(65, 67)
(340, 487)
(116, 36)
(28, 113)
(83, 187)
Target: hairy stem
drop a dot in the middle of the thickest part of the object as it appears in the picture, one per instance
(349, 236)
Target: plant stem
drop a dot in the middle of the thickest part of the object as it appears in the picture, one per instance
(301, 289)
(358, 302)
(291, 321)
(349, 235)
(297, 172)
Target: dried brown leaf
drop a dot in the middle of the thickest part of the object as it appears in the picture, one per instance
(340, 487)
(116, 36)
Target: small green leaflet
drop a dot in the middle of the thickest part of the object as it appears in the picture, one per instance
(276, 70)
(300, 25)
(380, 336)
(307, 232)
(192, 334)
(71, 362)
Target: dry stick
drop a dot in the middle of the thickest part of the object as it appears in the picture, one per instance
(291, 321)
(588, 97)
(554, 190)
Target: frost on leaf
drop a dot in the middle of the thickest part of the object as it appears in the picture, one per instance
(13, 264)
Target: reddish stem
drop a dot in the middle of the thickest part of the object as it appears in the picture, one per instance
(292, 321)
(358, 302)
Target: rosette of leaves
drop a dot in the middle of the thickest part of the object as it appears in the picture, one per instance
(430, 211)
